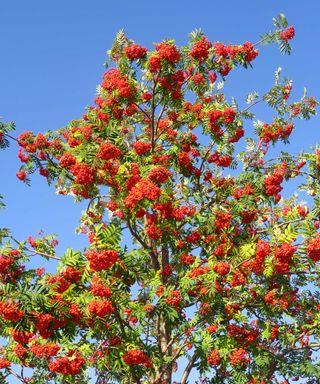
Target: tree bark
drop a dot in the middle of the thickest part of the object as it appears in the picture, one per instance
(164, 374)
(188, 369)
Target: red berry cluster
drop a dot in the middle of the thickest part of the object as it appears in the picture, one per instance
(100, 308)
(247, 216)
(200, 50)
(68, 365)
(225, 116)
(246, 190)
(222, 268)
(288, 33)
(136, 357)
(273, 182)
(239, 357)
(220, 160)
(109, 151)
(44, 324)
(63, 281)
(4, 363)
(159, 175)
(231, 51)
(135, 51)
(100, 290)
(10, 311)
(67, 160)
(7, 270)
(283, 255)
(174, 298)
(275, 131)
(21, 336)
(143, 189)
(21, 175)
(20, 351)
(256, 265)
(113, 81)
(222, 220)
(172, 83)
(141, 148)
(214, 357)
(102, 260)
(187, 259)
(313, 249)
(153, 231)
(45, 350)
(84, 173)
(168, 52)
(245, 336)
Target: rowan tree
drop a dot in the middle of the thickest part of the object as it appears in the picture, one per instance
(196, 264)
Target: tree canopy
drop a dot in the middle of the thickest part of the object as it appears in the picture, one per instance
(196, 262)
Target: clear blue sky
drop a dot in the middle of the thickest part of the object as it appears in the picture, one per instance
(52, 55)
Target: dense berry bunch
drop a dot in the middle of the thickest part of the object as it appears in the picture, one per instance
(101, 260)
(10, 311)
(313, 249)
(214, 357)
(83, 174)
(68, 365)
(109, 151)
(45, 350)
(144, 188)
(239, 357)
(200, 50)
(100, 308)
(288, 33)
(273, 182)
(135, 51)
(136, 357)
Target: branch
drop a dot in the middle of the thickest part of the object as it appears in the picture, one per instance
(260, 41)
(202, 163)
(153, 108)
(16, 375)
(154, 258)
(42, 254)
(283, 224)
(310, 346)
(34, 251)
(137, 237)
(252, 105)
(142, 110)
(159, 118)
(135, 378)
(189, 368)
(10, 137)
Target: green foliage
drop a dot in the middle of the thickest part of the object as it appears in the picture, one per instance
(5, 129)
